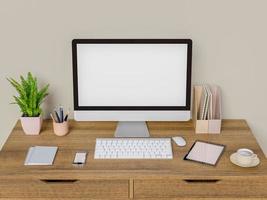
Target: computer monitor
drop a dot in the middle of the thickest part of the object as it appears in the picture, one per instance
(132, 81)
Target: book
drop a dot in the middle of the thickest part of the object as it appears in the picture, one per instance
(41, 155)
(203, 103)
(206, 105)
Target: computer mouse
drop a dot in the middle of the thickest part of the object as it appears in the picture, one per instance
(180, 141)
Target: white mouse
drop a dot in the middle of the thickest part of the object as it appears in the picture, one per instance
(180, 141)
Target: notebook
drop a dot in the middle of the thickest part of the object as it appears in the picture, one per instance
(203, 103)
(209, 103)
(205, 152)
(41, 155)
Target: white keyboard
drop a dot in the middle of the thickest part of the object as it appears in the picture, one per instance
(133, 148)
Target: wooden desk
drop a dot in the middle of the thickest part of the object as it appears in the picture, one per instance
(123, 179)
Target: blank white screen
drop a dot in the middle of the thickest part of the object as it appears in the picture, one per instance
(132, 74)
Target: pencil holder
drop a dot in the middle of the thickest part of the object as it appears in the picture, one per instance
(61, 129)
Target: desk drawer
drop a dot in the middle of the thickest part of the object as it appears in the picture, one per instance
(230, 187)
(49, 188)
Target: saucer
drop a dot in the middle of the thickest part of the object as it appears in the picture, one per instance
(233, 159)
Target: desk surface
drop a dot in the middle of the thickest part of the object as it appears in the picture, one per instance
(235, 134)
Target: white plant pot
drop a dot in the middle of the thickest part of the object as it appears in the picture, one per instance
(31, 125)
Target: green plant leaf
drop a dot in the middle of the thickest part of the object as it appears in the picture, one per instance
(42, 94)
(18, 87)
(30, 98)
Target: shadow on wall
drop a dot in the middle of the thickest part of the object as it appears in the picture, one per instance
(50, 102)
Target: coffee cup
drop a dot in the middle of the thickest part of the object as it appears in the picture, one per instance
(245, 156)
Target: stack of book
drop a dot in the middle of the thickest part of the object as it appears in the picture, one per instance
(207, 109)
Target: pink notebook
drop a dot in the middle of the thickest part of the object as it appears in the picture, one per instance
(205, 152)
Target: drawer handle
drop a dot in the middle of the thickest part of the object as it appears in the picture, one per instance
(201, 180)
(58, 181)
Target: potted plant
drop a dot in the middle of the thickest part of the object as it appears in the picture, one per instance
(29, 100)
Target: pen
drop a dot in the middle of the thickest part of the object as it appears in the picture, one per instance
(58, 119)
(61, 112)
(67, 115)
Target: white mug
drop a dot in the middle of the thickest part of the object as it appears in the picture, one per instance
(245, 156)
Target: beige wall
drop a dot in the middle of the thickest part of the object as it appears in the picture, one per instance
(230, 40)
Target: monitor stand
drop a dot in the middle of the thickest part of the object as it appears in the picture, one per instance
(131, 129)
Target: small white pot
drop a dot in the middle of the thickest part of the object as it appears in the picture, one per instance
(31, 125)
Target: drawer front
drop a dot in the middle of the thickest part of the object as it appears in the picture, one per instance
(49, 188)
(230, 187)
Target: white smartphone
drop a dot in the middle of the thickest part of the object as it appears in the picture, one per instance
(80, 158)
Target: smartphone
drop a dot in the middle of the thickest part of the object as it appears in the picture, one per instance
(80, 158)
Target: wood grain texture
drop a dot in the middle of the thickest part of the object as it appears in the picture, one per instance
(131, 188)
(28, 188)
(225, 187)
(150, 178)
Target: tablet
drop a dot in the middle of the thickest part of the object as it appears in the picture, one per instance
(205, 152)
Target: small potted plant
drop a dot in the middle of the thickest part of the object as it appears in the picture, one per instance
(29, 100)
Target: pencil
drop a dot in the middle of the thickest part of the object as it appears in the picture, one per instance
(52, 117)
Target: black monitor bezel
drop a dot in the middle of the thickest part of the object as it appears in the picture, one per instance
(131, 41)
